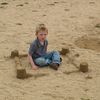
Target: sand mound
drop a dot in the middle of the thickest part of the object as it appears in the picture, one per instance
(89, 42)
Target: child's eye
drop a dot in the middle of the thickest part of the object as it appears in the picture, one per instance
(43, 34)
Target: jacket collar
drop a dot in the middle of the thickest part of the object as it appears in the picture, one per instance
(39, 44)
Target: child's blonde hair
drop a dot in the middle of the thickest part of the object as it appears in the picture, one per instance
(41, 27)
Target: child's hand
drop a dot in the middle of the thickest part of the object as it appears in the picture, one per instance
(35, 67)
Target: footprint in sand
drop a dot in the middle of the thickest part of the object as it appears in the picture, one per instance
(1, 7)
(20, 5)
(63, 2)
(26, 3)
(97, 25)
(91, 2)
(44, 15)
(63, 43)
(72, 16)
(56, 2)
(91, 17)
(51, 4)
(67, 9)
(4, 3)
(18, 23)
(34, 10)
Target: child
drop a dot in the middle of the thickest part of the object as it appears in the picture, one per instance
(38, 55)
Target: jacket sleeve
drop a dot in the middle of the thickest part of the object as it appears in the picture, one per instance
(46, 44)
(32, 49)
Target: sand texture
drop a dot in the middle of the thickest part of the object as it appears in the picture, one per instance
(73, 24)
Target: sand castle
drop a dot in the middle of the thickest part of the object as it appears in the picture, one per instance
(83, 65)
(21, 72)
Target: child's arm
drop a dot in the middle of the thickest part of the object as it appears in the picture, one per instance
(32, 63)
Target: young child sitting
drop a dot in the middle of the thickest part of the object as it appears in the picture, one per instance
(38, 55)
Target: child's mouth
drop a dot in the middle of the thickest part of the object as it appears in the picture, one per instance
(42, 39)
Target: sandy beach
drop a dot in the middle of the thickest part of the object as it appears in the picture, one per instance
(73, 24)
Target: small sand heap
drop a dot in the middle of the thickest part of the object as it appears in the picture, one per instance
(21, 72)
(64, 51)
(84, 67)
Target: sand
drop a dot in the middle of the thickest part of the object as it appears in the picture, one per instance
(72, 24)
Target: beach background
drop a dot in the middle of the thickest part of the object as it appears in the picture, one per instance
(73, 24)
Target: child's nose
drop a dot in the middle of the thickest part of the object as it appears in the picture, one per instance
(43, 36)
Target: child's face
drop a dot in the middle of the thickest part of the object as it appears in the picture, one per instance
(42, 35)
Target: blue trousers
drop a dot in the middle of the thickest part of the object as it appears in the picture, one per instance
(52, 57)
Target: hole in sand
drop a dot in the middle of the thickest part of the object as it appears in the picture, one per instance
(89, 42)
